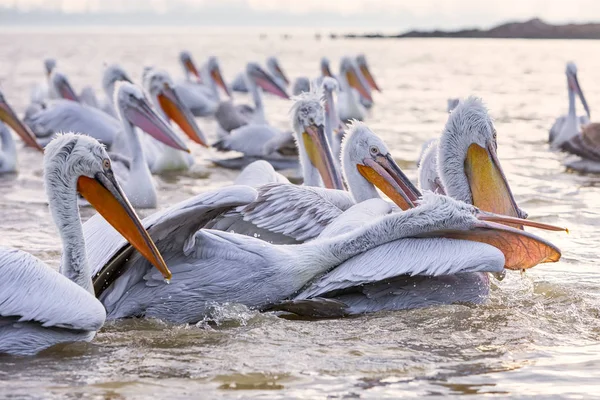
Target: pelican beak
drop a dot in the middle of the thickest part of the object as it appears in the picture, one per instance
(356, 83)
(191, 68)
(367, 74)
(178, 112)
(320, 156)
(281, 74)
(489, 187)
(144, 117)
(577, 88)
(522, 250)
(383, 172)
(218, 78)
(66, 90)
(104, 193)
(10, 118)
(266, 82)
(325, 71)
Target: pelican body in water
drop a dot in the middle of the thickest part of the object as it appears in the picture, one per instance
(575, 134)
(8, 148)
(240, 84)
(40, 307)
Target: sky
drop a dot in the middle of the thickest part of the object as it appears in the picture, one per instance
(400, 14)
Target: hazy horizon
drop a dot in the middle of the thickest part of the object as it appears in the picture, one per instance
(358, 14)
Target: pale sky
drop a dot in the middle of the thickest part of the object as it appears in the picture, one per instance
(423, 13)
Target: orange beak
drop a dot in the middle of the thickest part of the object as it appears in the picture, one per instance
(218, 78)
(177, 111)
(105, 195)
(320, 156)
(356, 83)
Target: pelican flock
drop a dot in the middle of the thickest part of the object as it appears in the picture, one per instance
(354, 236)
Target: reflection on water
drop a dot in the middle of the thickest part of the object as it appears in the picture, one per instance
(537, 335)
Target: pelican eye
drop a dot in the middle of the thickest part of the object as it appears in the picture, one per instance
(106, 163)
(374, 150)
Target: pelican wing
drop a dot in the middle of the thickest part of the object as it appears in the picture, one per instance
(32, 291)
(70, 116)
(299, 212)
(411, 256)
(230, 117)
(583, 145)
(170, 228)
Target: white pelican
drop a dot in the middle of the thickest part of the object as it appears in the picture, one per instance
(326, 68)
(40, 307)
(112, 74)
(334, 126)
(135, 111)
(574, 134)
(40, 93)
(88, 97)
(8, 148)
(60, 87)
(230, 116)
(214, 267)
(166, 101)
(352, 88)
(368, 80)
(200, 93)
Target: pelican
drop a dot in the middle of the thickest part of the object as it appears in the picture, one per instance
(576, 135)
(88, 97)
(471, 173)
(214, 267)
(40, 307)
(112, 74)
(335, 128)
(326, 68)
(8, 148)
(369, 82)
(135, 110)
(166, 101)
(201, 97)
(231, 117)
(40, 93)
(352, 89)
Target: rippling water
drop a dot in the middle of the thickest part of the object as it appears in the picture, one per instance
(538, 334)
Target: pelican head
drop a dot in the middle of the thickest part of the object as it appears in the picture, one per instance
(112, 74)
(8, 116)
(189, 67)
(212, 65)
(159, 85)
(574, 86)
(364, 152)
(468, 165)
(135, 109)
(79, 163)
(309, 125)
(350, 75)
(325, 68)
(61, 86)
(49, 65)
(301, 85)
(361, 61)
(275, 69)
(258, 76)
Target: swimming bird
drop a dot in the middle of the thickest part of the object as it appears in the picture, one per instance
(201, 97)
(112, 74)
(576, 135)
(40, 307)
(368, 80)
(213, 267)
(40, 93)
(170, 106)
(569, 125)
(240, 84)
(135, 111)
(8, 148)
(334, 127)
(352, 89)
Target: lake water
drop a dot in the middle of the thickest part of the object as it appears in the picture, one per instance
(539, 334)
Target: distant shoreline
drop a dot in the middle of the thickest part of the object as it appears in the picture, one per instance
(532, 29)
